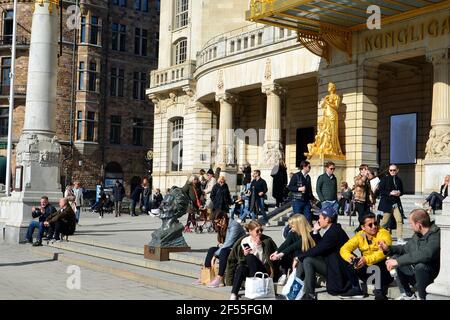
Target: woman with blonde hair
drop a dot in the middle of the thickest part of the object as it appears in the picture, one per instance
(298, 240)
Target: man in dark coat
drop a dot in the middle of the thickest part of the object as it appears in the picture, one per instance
(45, 210)
(135, 197)
(61, 222)
(301, 189)
(258, 189)
(391, 189)
(279, 175)
(221, 197)
(324, 258)
(118, 194)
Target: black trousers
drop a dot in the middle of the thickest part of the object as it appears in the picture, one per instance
(57, 228)
(253, 265)
(421, 275)
(307, 271)
(354, 275)
(363, 209)
(286, 263)
(223, 257)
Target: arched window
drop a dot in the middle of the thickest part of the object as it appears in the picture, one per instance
(180, 51)
(176, 135)
(181, 13)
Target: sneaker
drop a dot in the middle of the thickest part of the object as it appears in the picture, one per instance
(238, 220)
(401, 242)
(233, 296)
(197, 282)
(353, 293)
(282, 280)
(267, 224)
(37, 244)
(215, 283)
(404, 296)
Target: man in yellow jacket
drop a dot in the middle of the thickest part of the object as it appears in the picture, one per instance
(371, 262)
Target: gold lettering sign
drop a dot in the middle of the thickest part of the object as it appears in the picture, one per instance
(406, 35)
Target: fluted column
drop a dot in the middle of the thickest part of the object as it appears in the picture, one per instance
(273, 150)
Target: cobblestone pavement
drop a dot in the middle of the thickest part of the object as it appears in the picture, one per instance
(26, 276)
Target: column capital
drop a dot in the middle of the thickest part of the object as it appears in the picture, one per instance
(273, 88)
(226, 96)
(438, 57)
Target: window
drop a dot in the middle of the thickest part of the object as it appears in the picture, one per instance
(118, 36)
(180, 51)
(139, 85)
(239, 42)
(145, 5)
(114, 135)
(137, 5)
(138, 131)
(81, 76)
(252, 41)
(4, 113)
(120, 3)
(93, 38)
(232, 46)
(79, 125)
(5, 79)
(181, 13)
(281, 33)
(8, 16)
(92, 77)
(90, 126)
(260, 36)
(140, 42)
(83, 30)
(117, 82)
(177, 144)
(245, 42)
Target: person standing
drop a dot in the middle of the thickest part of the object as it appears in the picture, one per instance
(327, 187)
(118, 194)
(221, 197)
(279, 175)
(301, 189)
(79, 200)
(135, 197)
(211, 182)
(391, 189)
(362, 193)
(258, 189)
(146, 199)
(247, 171)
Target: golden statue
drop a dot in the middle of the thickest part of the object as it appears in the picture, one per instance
(326, 144)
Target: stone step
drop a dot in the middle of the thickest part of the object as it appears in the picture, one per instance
(174, 267)
(151, 277)
(196, 258)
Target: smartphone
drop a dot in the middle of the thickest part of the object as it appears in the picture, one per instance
(246, 245)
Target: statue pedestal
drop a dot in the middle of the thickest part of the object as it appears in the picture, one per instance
(162, 253)
(318, 168)
(440, 289)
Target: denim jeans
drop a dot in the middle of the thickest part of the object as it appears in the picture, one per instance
(303, 207)
(33, 225)
(78, 213)
(333, 204)
(260, 205)
(133, 207)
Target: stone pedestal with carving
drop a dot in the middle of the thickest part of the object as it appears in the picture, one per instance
(38, 150)
(440, 289)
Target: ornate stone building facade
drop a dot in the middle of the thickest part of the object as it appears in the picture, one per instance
(260, 87)
(104, 120)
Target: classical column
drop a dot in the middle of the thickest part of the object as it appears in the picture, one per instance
(437, 151)
(38, 150)
(273, 150)
(225, 156)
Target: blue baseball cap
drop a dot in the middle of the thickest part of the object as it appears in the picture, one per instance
(328, 212)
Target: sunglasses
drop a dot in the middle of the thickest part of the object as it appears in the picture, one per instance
(372, 224)
(332, 168)
(392, 170)
(259, 230)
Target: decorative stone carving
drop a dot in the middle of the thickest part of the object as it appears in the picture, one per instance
(268, 69)
(273, 153)
(273, 88)
(220, 83)
(173, 97)
(438, 145)
(38, 149)
(438, 57)
(225, 155)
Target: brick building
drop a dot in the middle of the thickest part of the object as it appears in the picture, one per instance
(104, 122)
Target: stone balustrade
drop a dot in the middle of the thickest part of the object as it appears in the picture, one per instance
(174, 74)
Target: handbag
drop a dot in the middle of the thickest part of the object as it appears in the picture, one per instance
(208, 274)
(294, 288)
(256, 287)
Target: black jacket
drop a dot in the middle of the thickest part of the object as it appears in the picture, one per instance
(328, 247)
(221, 197)
(136, 194)
(157, 199)
(444, 191)
(279, 175)
(49, 209)
(387, 185)
(118, 192)
(258, 186)
(299, 180)
(146, 200)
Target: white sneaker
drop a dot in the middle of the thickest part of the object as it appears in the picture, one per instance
(282, 280)
(268, 224)
(238, 220)
(401, 242)
(404, 296)
(233, 297)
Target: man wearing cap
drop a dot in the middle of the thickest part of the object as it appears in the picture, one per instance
(211, 182)
(324, 258)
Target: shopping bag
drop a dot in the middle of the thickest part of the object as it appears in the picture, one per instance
(294, 287)
(256, 287)
(208, 274)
